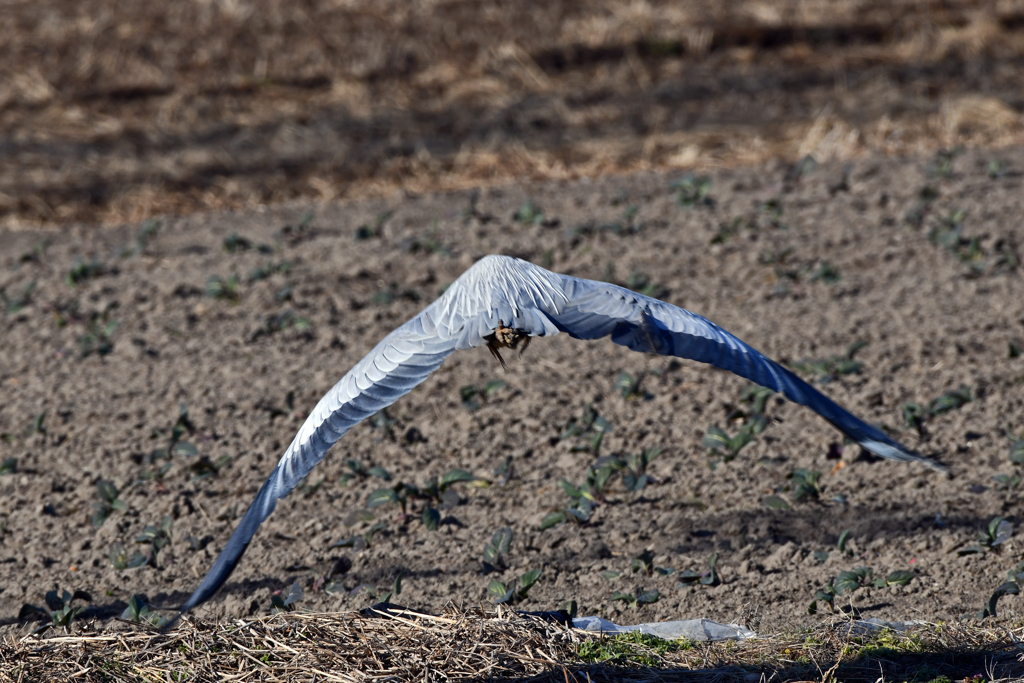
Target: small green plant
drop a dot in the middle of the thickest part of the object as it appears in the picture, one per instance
(98, 337)
(1011, 587)
(359, 471)
(915, 415)
(998, 532)
(853, 580)
(145, 234)
(204, 468)
(827, 273)
(827, 369)
(84, 271)
(108, 502)
(374, 228)
(719, 442)
(266, 270)
(515, 592)
(496, 551)
(804, 485)
(378, 594)
(438, 493)
(1016, 448)
(157, 537)
(119, 557)
(472, 395)
(141, 613)
(8, 466)
(708, 578)
(693, 191)
(59, 610)
(588, 431)
(281, 322)
(941, 165)
(638, 598)
(285, 600)
(529, 214)
(224, 288)
(919, 209)
(20, 301)
(176, 446)
(643, 284)
(628, 386)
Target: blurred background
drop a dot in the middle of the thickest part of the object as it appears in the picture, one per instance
(112, 111)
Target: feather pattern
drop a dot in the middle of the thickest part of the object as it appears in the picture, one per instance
(502, 289)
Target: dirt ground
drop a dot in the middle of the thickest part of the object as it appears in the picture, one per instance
(113, 111)
(800, 262)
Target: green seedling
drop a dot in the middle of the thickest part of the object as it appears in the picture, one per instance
(359, 471)
(634, 474)
(844, 536)
(8, 466)
(941, 166)
(516, 592)
(643, 284)
(266, 270)
(628, 386)
(438, 493)
(827, 369)
(995, 169)
(998, 532)
(693, 191)
(1006, 482)
(308, 487)
(139, 612)
(37, 426)
(632, 650)
(610, 574)
(157, 537)
(59, 610)
(496, 551)
(776, 502)
(204, 468)
(472, 395)
(804, 485)
(223, 288)
(374, 228)
(19, 302)
(644, 562)
(721, 443)
(108, 502)
(37, 253)
(1016, 448)
(382, 421)
(394, 292)
(1011, 587)
(590, 430)
(119, 557)
(529, 214)
(145, 234)
(285, 600)
(919, 209)
(1014, 351)
(235, 243)
(360, 542)
(726, 231)
(708, 578)
(98, 336)
(637, 599)
(826, 273)
(175, 446)
(915, 415)
(84, 271)
(379, 594)
(853, 580)
(297, 229)
(504, 472)
(287, 320)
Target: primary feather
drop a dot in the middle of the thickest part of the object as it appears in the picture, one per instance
(502, 289)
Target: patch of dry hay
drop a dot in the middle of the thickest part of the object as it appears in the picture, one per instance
(402, 645)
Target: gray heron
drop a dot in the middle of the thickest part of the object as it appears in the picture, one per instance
(502, 302)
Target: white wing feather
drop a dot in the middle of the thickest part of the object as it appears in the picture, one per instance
(541, 303)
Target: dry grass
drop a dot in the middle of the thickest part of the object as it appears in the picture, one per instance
(500, 645)
(113, 111)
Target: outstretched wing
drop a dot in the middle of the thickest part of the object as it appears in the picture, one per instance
(596, 309)
(392, 369)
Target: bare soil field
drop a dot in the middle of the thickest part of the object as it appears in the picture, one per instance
(109, 334)
(112, 111)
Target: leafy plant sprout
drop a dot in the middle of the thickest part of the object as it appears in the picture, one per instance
(502, 302)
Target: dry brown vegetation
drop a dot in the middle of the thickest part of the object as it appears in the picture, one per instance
(114, 111)
(503, 645)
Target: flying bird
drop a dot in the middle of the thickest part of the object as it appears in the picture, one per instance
(503, 302)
